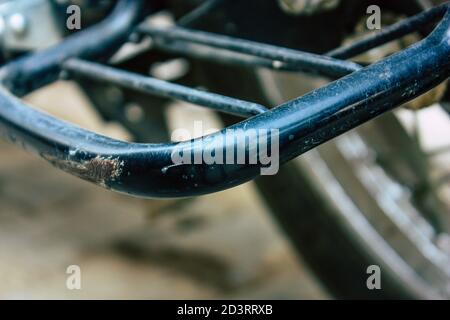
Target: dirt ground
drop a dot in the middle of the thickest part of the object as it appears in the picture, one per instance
(220, 246)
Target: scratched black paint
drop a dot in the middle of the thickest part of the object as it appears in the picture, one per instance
(147, 170)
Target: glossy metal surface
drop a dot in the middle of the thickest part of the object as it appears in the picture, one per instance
(147, 170)
(163, 88)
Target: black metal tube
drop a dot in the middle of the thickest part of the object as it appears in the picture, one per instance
(389, 33)
(38, 69)
(222, 56)
(308, 62)
(163, 88)
(202, 10)
(148, 170)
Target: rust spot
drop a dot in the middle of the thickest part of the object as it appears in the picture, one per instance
(98, 170)
(103, 169)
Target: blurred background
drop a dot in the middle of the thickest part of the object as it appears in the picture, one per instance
(379, 194)
(224, 245)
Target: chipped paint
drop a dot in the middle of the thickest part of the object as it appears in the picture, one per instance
(99, 170)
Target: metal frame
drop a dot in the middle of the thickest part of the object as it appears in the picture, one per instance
(147, 170)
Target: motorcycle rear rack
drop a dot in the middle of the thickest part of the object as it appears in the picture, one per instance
(147, 170)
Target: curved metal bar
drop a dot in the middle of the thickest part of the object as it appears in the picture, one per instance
(148, 170)
(39, 69)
